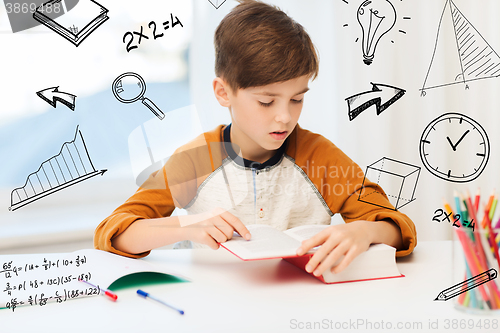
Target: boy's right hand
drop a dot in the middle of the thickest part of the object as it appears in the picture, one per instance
(214, 227)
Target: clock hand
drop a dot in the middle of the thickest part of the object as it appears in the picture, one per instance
(454, 146)
(463, 136)
(451, 144)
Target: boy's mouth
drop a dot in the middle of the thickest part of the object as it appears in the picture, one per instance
(279, 135)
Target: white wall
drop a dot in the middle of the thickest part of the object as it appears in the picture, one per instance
(402, 59)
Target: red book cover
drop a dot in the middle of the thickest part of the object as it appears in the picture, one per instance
(301, 262)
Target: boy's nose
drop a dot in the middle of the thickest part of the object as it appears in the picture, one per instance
(283, 115)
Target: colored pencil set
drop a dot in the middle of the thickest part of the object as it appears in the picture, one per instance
(480, 240)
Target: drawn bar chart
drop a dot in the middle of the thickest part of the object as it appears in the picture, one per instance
(71, 166)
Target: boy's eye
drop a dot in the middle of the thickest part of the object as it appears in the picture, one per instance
(266, 104)
(295, 101)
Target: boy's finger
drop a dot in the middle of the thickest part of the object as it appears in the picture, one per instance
(235, 222)
(320, 255)
(315, 240)
(349, 257)
(211, 242)
(224, 227)
(331, 259)
(217, 235)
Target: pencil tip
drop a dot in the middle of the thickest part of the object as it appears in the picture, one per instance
(440, 297)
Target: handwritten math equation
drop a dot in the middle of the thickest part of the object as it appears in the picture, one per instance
(128, 37)
(56, 281)
(42, 299)
(440, 212)
(23, 284)
(9, 268)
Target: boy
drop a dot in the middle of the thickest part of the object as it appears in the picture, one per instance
(262, 168)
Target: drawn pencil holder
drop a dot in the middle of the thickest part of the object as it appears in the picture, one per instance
(475, 284)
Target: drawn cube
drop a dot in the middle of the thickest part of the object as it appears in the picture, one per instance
(397, 179)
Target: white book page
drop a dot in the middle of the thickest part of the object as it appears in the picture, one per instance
(266, 242)
(305, 231)
(377, 262)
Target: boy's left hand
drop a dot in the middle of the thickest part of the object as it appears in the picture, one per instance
(350, 239)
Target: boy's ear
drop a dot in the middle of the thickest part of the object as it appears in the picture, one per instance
(221, 91)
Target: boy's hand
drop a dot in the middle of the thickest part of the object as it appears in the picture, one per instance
(350, 239)
(215, 227)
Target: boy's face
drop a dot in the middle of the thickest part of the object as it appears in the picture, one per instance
(263, 117)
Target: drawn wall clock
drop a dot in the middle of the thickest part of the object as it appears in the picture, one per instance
(456, 135)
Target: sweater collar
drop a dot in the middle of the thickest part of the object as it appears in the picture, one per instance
(248, 163)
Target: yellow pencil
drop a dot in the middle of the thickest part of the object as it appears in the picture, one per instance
(493, 207)
(448, 208)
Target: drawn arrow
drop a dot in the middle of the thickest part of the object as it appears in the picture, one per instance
(52, 95)
(382, 95)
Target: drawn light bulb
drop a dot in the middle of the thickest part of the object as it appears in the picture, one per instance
(376, 18)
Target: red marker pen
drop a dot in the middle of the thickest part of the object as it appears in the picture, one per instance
(107, 292)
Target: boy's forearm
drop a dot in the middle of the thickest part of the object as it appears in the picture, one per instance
(386, 232)
(147, 234)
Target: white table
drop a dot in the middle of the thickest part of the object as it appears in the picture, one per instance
(229, 295)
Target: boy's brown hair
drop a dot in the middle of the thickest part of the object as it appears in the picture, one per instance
(257, 44)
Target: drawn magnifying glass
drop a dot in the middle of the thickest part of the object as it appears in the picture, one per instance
(130, 87)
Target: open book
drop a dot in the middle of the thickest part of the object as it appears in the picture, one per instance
(35, 279)
(378, 262)
(269, 243)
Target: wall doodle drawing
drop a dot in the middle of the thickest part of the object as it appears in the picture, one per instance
(455, 134)
(130, 87)
(382, 95)
(53, 95)
(71, 166)
(374, 19)
(76, 25)
(474, 59)
(217, 3)
(397, 179)
(468, 284)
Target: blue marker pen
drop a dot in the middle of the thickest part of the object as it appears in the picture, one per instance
(145, 294)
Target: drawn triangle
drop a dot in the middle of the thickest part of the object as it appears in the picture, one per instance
(445, 67)
(479, 60)
(461, 54)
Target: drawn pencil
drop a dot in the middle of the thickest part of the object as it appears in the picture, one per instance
(471, 283)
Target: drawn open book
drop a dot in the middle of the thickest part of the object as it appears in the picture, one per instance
(35, 279)
(75, 25)
(378, 262)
